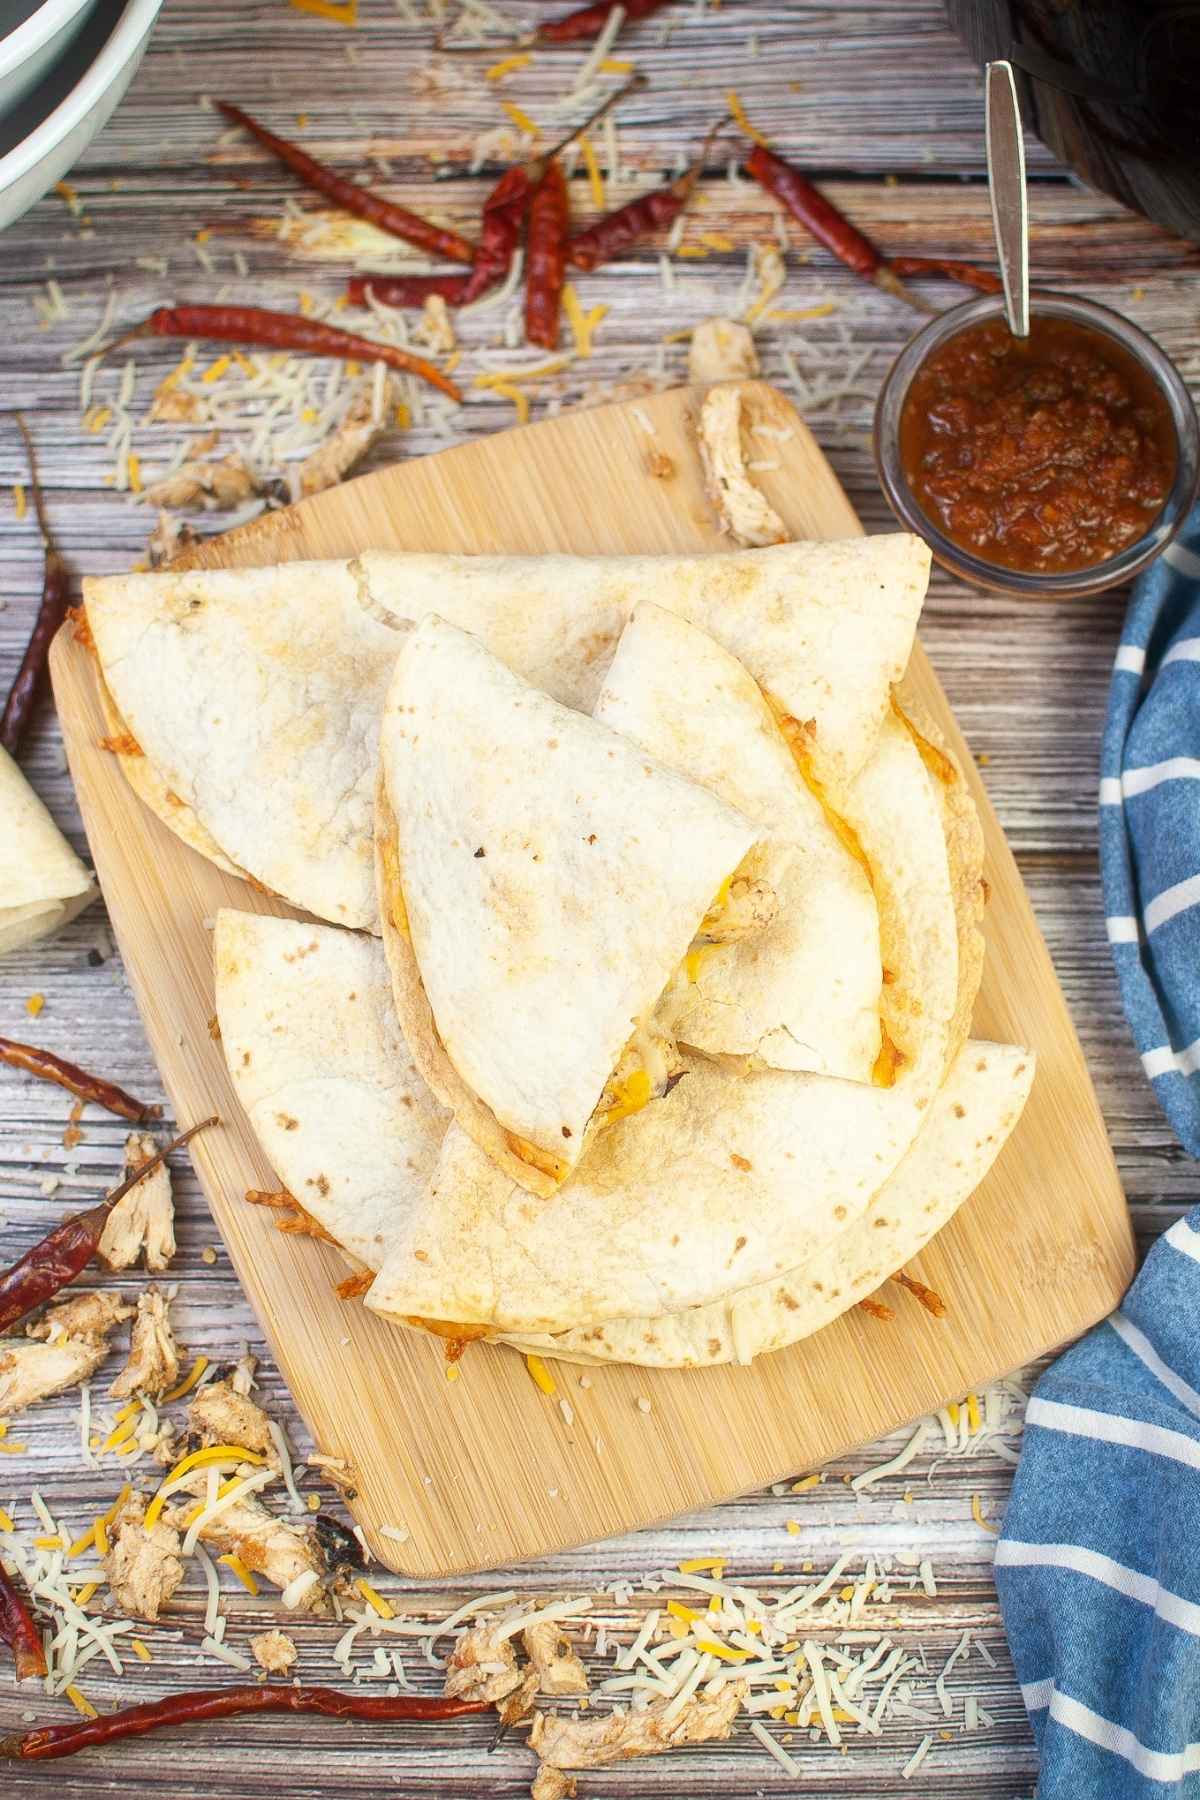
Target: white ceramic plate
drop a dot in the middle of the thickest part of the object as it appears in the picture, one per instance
(29, 50)
(30, 167)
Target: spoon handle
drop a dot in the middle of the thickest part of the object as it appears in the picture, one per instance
(1006, 184)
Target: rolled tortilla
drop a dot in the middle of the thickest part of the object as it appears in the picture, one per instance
(43, 884)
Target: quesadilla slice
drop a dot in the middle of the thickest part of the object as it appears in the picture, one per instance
(803, 992)
(255, 695)
(323, 1074)
(826, 628)
(968, 1123)
(43, 884)
(540, 880)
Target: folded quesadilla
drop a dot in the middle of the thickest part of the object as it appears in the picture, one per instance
(540, 880)
(250, 698)
(317, 1061)
(802, 993)
(43, 884)
(968, 1122)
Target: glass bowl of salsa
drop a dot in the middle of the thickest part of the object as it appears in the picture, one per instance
(1054, 465)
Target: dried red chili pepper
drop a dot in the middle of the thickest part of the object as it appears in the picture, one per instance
(18, 708)
(63, 1252)
(406, 290)
(574, 27)
(829, 226)
(280, 331)
(546, 258)
(51, 1741)
(48, 1067)
(19, 1632)
(397, 221)
(967, 273)
(618, 231)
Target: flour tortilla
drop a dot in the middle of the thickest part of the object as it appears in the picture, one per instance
(826, 627)
(968, 1123)
(323, 1075)
(804, 992)
(256, 695)
(540, 880)
(43, 884)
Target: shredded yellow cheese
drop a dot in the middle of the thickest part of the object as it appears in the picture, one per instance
(80, 1702)
(700, 1565)
(809, 1481)
(498, 382)
(734, 101)
(786, 315)
(134, 466)
(952, 1409)
(189, 1381)
(452, 1371)
(34, 1004)
(717, 240)
(541, 1375)
(215, 370)
(519, 399)
(20, 504)
(342, 12)
(452, 361)
(977, 1515)
(794, 1527)
(687, 1614)
(974, 1419)
(54, 1542)
(592, 165)
(403, 416)
(86, 1593)
(520, 118)
(694, 250)
(241, 1571)
(13, 1449)
(119, 1435)
(724, 1652)
(508, 65)
(100, 1531)
(83, 1543)
(197, 1460)
(6, 1523)
(630, 1096)
(375, 1601)
(615, 65)
(582, 324)
(139, 1650)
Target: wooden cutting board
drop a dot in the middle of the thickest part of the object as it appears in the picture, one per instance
(487, 1469)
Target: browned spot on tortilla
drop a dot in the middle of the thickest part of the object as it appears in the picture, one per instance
(714, 1346)
(81, 627)
(960, 1112)
(123, 744)
(659, 464)
(935, 760)
(740, 1162)
(536, 1157)
(889, 1060)
(355, 1284)
(286, 1122)
(214, 1029)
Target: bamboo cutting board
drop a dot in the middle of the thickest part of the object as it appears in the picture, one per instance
(487, 1469)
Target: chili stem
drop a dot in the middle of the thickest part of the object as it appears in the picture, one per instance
(18, 708)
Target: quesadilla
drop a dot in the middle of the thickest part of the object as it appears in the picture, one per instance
(968, 1122)
(803, 993)
(540, 880)
(254, 695)
(43, 884)
(322, 1073)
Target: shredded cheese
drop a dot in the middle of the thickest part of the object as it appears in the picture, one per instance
(189, 1381)
(977, 1515)
(592, 165)
(541, 1375)
(140, 1651)
(374, 1600)
(520, 118)
(507, 65)
(342, 12)
(20, 505)
(519, 399)
(734, 101)
(6, 1523)
(296, 1589)
(80, 1702)
(197, 1460)
(238, 1567)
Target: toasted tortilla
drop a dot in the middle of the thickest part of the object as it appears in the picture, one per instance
(826, 627)
(804, 992)
(323, 1074)
(43, 884)
(968, 1123)
(256, 694)
(540, 880)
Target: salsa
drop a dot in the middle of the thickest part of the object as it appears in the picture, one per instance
(1047, 453)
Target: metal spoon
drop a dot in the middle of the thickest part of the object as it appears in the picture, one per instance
(1006, 184)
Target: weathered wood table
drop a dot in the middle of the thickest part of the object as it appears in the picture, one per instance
(879, 101)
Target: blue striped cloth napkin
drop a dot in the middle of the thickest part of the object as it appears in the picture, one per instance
(1150, 827)
(1098, 1566)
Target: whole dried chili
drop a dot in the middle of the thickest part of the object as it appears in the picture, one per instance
(967, 273)
(52, 1741)
(573, 28)
(280, 331)
(829, 226)
(397, 221)
(49, 1067)
(618, 231)
(407, 290)
(19, 1632)
(18, 708)
(66, 1250)
(546, 258)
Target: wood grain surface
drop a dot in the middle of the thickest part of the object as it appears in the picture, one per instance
(887, 115)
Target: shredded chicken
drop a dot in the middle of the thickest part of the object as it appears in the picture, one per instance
(93, 1314)
(548, 1648)
(551, 1784)
(173, 405)
(218, 486)
(595, 1743)
(144, 1219)
(169, 537)
(153, 1364)
(519, 1704)
(30, 1372)
(266, 1544)
(750, 905)
(771, 271)
(742, 510)
(483, 1665)
(722, 350)
(220, 1415)
(241, 1377)
(143, 1568)
(435, 327)
(274, 1652)
(347, 445)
